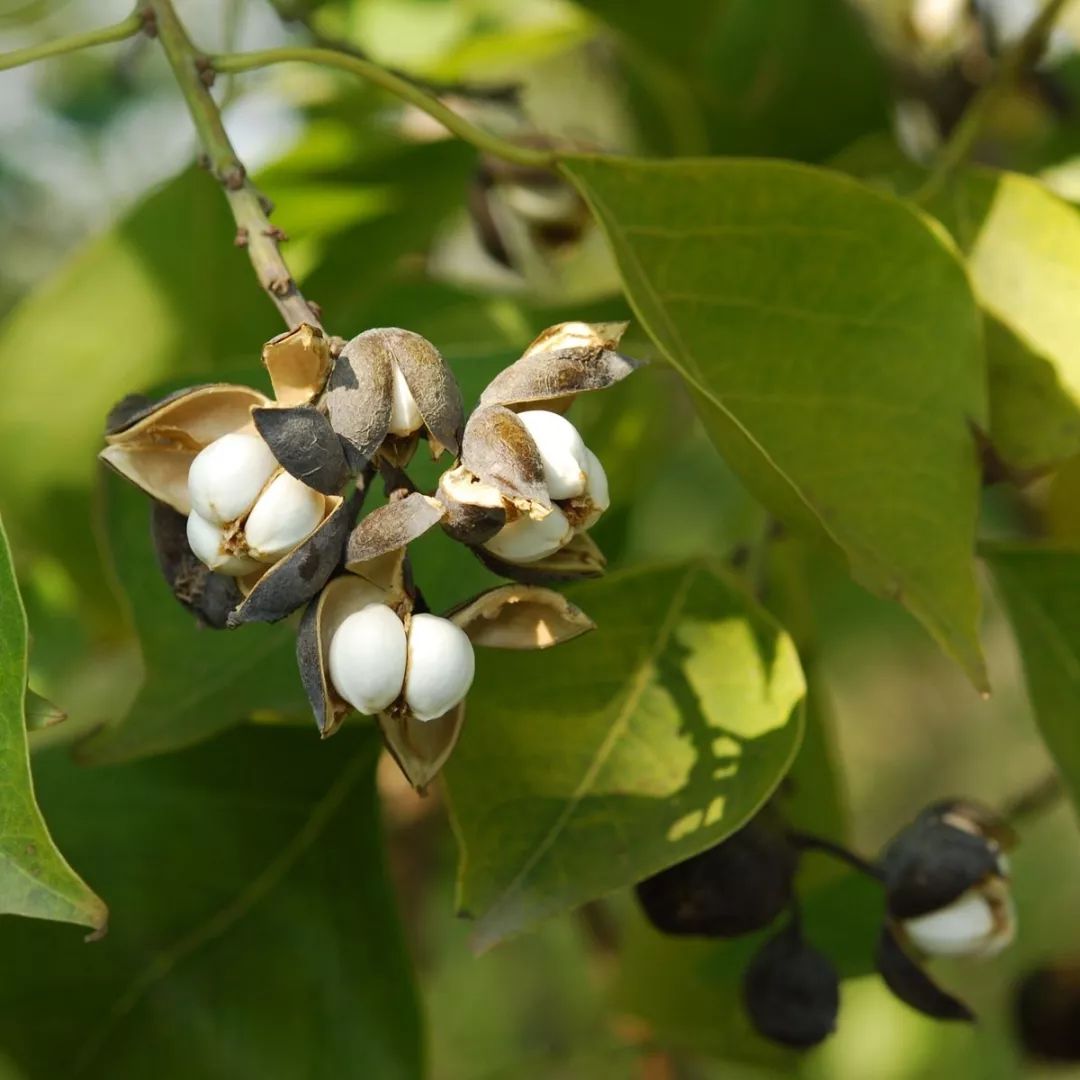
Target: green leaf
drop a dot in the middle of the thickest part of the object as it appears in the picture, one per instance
(198, 681)
(35, 880)
(1023, 248)
(253, 928)
(833, 345)
(591, 766)
(1041, 591)
(786, 78)
(41, 713)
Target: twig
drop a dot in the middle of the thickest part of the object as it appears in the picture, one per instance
(121, 31)
(504, 93)
(250, 209)
(809, 842)
(1013, 64)
(456, 124)
(1041, 796)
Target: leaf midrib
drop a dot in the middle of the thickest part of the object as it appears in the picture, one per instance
(482, 936)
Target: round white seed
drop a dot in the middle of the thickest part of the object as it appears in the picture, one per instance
(441, 666)
(287, 512)
(966, 927)
(562, 452)
(226, 477)
(367, 657)
(207, 540)
(525, 540)
(405, 415)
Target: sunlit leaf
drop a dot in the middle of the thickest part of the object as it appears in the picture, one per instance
(1023, 248)
(253, 929)
(1041, 590)
(833, 344)
(35, 880)
(591, 766)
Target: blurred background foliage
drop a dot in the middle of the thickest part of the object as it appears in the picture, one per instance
(119, 274)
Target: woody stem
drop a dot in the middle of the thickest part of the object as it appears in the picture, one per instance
(250, 209)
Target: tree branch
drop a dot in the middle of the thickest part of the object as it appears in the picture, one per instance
(364, 69)
(194, 75)
(118, 31)
(1012, 66)
(121, 31)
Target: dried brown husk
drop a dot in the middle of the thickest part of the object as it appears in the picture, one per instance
(305, 445)
(209, 596)
(298, 362)
(564, 361)
(474, 511)
(359, 396)
(433, 387)
(499, 451)
(340, 598)
(295, 578)
(392, 527)
(521, 617)
(581, 558)
(154, 446)
(421, 748)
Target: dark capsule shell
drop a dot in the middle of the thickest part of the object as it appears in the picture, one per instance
(305, 445)
(791, 991)
(433, 387)
(910, 983)
(735, 888)
(359, 396)
(294, 580)
(566, 360)
(931, 863)
(209, 596)
(1047, 1012)
(392, 526)
(499, 451)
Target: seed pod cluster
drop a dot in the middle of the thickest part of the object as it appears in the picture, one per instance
(258, 503)
(946, 893)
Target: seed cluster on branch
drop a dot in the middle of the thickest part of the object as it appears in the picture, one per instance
(257, 502)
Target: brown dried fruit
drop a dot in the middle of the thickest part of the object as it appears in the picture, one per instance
(521, 617)
(153, 446)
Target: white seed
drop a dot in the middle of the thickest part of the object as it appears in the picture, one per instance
(966, 927)
(441, 666)
(596, 491)
(226, 477)
(405, 415)
(206, 540)
(525, 540)
(287, 512)
(562, 451)
(366, 658)
(542, 205)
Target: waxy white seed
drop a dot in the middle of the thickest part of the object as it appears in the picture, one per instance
(226, 477)
(562, 451)
(287, 512)
(525, 540)
(966, 927)
(441, 666)
(367, 657)
(405, 415)
(206, 540)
